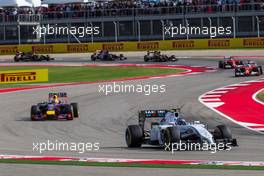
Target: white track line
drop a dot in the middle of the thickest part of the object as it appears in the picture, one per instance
(254, 97)
(214, 105)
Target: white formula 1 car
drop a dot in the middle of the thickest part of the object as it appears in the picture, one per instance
(161, 127)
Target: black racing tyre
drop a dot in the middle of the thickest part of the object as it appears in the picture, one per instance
(173, 58)
(33, 112)
(35, 58)
(134, 136)
(221, 64)
(75, 109)
(236, 74)
(16, 59)
(42, 58)
(172, 135)
(240, 63)
(48, 58)
(93, 58)
(68, 110)
(222, 132)
(146, 59)
(260, 70)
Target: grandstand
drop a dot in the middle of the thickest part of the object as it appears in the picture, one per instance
(127, 20)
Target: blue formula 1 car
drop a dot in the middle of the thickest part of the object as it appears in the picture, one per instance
(57, 108)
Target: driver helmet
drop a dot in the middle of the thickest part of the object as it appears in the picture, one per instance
(180, 121)
(175, 112)
(55, 99)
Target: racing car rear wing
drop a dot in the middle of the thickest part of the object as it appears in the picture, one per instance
(62, 96)
(59, 94)
(151, 116)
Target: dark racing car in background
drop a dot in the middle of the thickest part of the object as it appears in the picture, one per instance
(57, 108)
(229, 63)
(156, 56)
(24, 57)
(104, 55)
(249, 68)
(155, 129)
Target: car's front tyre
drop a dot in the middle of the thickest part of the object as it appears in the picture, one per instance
(69, 112)
(75, 109)
(172, 135)
(34, 112)
(222, 132)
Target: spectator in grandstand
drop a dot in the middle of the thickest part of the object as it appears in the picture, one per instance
(121, 8)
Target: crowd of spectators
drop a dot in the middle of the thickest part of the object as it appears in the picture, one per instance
(128, 8)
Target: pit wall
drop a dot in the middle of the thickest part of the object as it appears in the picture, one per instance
(230, 43)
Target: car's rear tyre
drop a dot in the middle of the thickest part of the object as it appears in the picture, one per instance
(172, 135)
(16, 59)
(93, 58)
(240, 63)
(33, 112)
(222, 132)
(173, 58)
(48, 58)
(134, 136)
(35, 58)
(75, 109)
(121, 57)
(221, 64)
(260, 70)
(69, 112)
(146, 59)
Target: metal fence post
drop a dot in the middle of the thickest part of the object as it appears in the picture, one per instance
(139, 31)
(115, 30)
(234, 27)
(258, 21)
(210, 25)
(18, 30)
(187, 32)
(163, 33)
(92, 36)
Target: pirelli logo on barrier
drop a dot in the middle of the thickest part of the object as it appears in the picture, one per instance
(182, 44)
(113, 47)
(253, 42)
(148, 45)
(23, 76)
(4, 50)
(42, 49)
(218, 43)
(77, 48)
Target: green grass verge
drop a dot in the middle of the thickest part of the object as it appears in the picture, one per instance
(90, 74)
(261, 96)
(138, 165)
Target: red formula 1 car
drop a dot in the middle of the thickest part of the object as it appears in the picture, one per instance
(249, 68)
(229, 63)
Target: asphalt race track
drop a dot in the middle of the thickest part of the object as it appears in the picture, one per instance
(105, 118)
